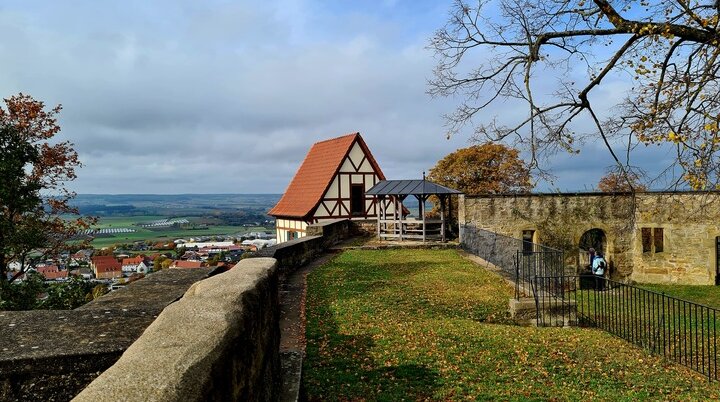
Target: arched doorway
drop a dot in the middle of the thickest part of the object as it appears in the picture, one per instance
(594, 238)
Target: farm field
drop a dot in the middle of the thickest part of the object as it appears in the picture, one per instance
(144, 234)
(125, 221)
(126, 218)
(154, 236)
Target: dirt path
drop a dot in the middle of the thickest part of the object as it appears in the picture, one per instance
(292, 327)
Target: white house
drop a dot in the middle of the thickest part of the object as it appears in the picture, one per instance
(330, 184)
(130, 265)
(142, 268)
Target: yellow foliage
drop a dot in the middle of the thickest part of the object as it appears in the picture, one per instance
(489, 168)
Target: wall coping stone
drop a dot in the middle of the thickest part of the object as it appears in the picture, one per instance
(178, 355)
(108, 324)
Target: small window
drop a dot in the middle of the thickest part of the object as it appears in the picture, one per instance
(291, 236)
(658, 239)
(646, 240)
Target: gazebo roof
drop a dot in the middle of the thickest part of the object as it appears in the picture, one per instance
(410, 187)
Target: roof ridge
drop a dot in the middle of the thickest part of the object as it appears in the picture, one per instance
(339, 137)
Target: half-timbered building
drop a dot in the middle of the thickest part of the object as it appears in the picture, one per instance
(331, 183)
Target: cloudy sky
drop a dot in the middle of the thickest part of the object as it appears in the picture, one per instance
(187, 96)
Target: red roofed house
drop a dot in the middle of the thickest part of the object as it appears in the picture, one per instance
(185, 264)
(51, 272)
(330, 184)
(131, 264)
(106, 267)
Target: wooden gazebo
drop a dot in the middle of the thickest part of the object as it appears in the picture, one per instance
(389, 196)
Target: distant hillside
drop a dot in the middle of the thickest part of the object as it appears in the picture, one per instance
(174, 205)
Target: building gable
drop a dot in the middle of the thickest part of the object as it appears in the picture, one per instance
(358, 169)
(318, 175)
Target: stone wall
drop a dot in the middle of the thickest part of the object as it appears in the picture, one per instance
(50, 355)
(219, 342)
(53, 355)
(691, 225)
(689, 221)
(320, 236)
(364, 227)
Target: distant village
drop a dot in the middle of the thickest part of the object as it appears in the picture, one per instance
(116, 267)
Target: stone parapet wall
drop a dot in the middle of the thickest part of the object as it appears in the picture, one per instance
(219, 342)
(332, 231)
(217, 339)
(320, 236)
(690, 223)
(364, 227)
(51, 355)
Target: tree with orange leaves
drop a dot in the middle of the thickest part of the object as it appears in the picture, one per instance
(490, 168)
(34, 202)
(615, 181)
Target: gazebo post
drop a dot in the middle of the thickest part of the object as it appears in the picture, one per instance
(421, 210)
(449, 211)
(378, 206)
(398, 229)
(442, 217)
(401, 219)
(423, 203)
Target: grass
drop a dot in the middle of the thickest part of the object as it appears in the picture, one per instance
(427, 324)
(703, 294)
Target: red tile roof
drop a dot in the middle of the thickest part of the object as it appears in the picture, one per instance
(106, 264)
(51, 272)
(186, 264)
(47, 268)
(132, 261)
(316, 174)
(55, 274)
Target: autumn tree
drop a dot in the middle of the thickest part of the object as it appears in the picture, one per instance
(34, 168)
(158, 262)
(550, 57)
(615, 181)
(483, 169)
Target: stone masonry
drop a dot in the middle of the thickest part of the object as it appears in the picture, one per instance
(651, 237)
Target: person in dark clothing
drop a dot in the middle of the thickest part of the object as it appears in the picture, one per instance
(591, 257)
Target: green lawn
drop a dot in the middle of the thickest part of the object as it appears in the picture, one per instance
(427, 324)
(707, 295)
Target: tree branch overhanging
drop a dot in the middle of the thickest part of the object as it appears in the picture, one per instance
(669, 52)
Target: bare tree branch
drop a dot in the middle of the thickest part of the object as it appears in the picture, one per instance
(669, 48)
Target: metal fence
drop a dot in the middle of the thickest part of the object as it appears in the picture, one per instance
(520, 260)
(679, 330)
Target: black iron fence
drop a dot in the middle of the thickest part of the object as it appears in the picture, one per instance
(682, 331)
(520, 260)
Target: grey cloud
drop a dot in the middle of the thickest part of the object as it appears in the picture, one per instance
(186, 96)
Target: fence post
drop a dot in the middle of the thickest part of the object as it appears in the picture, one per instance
(517, 276)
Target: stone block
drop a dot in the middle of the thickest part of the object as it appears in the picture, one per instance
(219, 342)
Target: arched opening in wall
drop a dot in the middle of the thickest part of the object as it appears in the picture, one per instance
(595, 239)
(717, 260)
